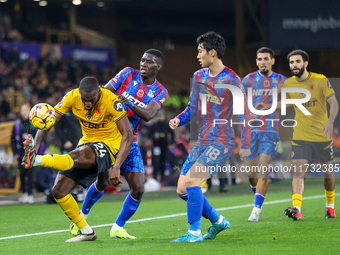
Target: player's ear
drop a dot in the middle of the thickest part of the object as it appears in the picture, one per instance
(306, 64)
(213, 53)
(273, 61)
(159, 66)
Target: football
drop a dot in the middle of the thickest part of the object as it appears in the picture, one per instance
(42, 116)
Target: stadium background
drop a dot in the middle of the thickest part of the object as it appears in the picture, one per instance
(122, 30)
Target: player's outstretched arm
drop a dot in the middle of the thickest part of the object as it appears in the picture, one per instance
(333, 112)
(145, 113)
(41, 134)
(124, 128)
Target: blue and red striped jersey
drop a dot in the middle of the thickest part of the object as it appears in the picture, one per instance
(214, 107)
(263, 92)
(128, 82)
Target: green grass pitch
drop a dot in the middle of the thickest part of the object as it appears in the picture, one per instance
(46, 226)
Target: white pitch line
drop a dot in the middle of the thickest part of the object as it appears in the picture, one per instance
(169, 216)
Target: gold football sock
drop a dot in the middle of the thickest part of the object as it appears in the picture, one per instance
(57, 162)
(297, 200)
(71, 209)
(330, 196)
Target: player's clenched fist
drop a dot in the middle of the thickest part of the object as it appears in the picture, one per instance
(173, 123)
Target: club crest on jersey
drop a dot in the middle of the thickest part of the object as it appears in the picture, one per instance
(151, 93)
(302, 95)
(274, 80)
(140, 93)
(89, 117)
(226, 149)
(118, 106)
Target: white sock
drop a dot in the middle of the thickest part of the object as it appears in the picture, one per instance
(219, 220)
(85, 215)
(37, 161)
(115, 227)
(196, 233)
(86, 230)
(330, 205)
(298, 208)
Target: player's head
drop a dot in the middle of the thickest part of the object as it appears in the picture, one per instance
(298, 62)
(25, 111)
(265, 60)
(150, 63)
(89, 92)
(210, 46)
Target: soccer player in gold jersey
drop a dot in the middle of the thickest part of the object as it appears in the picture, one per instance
(106, 142)
(312, 137)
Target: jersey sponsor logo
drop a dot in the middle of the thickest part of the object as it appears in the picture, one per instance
(135, 83)
(91, 125)
(140, 93)
(211, 98)
(309, 104)
(262, 92)
(134, 100)
(118, 106)
(162, 100)
(77, 109)
(257, 79)
(209, 88)
(151, 93)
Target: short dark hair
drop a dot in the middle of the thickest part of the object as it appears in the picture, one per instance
(89, 84)
(302, 53)
(265, 50)
(212, 40)
(156, 53)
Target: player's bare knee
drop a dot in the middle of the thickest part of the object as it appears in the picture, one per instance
(103, 184)
(57, 192)
(83, 157)
(137, 192)
(181, 190)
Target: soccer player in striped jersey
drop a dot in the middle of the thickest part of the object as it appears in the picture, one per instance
(212, 103)
(265, 132)
(142, 96)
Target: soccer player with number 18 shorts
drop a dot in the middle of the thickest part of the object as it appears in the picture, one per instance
(312, 137)
(212, 102)
(142, 96)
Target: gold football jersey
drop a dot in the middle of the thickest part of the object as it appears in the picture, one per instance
(309, 127)
(99, 124)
